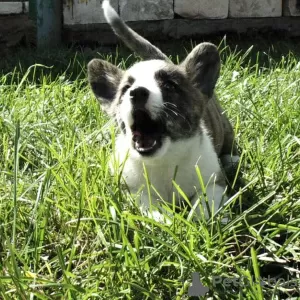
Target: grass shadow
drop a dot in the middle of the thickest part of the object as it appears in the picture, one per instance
(71, 61)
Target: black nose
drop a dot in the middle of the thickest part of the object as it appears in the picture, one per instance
(139, 96)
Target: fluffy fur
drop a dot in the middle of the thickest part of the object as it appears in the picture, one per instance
(169, 118)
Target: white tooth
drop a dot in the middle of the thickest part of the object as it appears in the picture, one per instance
(141, 149)
(154, 143)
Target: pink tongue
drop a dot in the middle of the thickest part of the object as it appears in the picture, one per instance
(143, 141)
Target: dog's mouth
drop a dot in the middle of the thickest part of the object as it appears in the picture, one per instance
(147, 134)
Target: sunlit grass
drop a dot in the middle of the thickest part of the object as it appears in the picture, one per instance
(69, 231)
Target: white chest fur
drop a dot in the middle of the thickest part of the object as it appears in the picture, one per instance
(180, 162)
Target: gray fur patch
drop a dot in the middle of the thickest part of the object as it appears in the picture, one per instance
(183, 103)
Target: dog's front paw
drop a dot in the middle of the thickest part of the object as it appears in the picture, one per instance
(157, 216)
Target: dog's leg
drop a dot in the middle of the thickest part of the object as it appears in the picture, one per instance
(230, 164)
(152, 208)
(215, 194)
(232, 172)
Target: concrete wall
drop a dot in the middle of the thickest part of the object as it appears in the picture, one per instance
(90, 12)
(13, 7)
(155, 19)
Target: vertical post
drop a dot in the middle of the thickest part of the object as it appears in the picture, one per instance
(49, 23)
(32, 10)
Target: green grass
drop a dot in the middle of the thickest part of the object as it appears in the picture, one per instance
(69, 231)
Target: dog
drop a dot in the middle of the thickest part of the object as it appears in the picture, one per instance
(170, 122)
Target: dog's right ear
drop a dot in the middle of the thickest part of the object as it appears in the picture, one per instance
(104, 79)
(203, 67)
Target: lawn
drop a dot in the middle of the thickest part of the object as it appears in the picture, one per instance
(69, 230)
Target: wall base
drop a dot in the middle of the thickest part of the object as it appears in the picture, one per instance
(183, 28)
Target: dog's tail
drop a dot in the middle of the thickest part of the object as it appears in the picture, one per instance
(133, 40)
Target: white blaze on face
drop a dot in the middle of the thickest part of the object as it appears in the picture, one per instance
(144, 76)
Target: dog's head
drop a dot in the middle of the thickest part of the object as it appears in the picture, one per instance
(155, 102)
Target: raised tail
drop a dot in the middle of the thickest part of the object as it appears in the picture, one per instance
(132, 40)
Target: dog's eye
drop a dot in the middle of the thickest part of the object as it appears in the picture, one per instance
(125, 88)
(170, 85)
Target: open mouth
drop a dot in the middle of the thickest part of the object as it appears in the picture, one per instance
(146, 133)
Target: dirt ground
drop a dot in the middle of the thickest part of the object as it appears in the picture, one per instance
(15, 30)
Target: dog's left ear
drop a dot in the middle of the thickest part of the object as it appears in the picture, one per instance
(203, 67)
(104, 79)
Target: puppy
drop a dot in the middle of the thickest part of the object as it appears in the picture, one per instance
(169, 119)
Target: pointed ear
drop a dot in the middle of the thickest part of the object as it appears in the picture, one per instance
(104, 79)
(203, 67)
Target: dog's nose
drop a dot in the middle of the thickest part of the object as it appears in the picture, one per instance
(139, 96)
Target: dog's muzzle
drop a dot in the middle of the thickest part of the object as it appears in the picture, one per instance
(147, 134)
